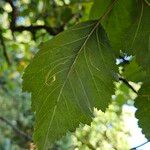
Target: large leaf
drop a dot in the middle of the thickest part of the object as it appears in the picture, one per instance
(142, 104)
(128, 23)
(71, 74)
(128, 27)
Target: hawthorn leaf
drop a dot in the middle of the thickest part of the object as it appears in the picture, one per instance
(68, 77)
(142, 103)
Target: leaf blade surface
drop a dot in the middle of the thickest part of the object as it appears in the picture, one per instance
(71, 74)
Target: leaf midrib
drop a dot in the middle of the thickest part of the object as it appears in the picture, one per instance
(68, 74)
(82, 47)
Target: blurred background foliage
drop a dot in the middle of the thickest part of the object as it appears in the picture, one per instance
(24, 24)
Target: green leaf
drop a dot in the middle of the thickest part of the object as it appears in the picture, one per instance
(119, 20)
(139, 44)
(128, 27)
(98, 8)
(142, 103)
(133, 72)
(138, 37)
(71, 74)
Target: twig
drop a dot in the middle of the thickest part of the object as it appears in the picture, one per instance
(13, 14)
(128, 84)
(134, 148)
(4, 49)
(147, 2)
(18, 131)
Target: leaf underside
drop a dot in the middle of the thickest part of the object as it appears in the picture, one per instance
(71, 74)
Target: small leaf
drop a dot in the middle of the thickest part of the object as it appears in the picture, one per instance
(133, 72)
(69, 76)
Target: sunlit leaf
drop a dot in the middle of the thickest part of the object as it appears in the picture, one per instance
(71, 74)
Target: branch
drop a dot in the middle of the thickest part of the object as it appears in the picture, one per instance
(33, 28)
(13, 14)
(4, 49)
(140, 145)
(128, 84)
(19, 132)
(147, 2)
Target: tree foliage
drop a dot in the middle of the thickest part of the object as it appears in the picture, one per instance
(107, 131)
(63, 86)
(73, 72)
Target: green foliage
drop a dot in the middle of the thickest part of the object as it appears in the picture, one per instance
(128, 29)
(62, 85)
(74, 72)
(142, 48)
(119, 20)
(138, 38)
(15, 106)
(107, 131)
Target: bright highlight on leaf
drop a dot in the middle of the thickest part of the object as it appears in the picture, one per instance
(69, 76)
